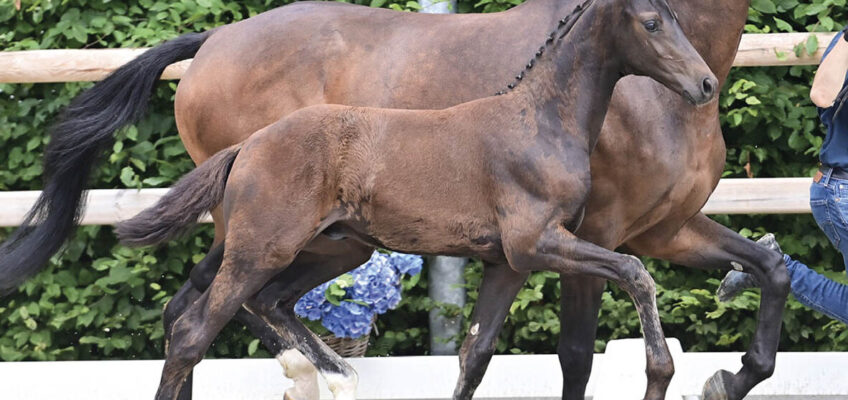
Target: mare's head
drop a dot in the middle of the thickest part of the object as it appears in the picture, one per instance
(649, 41)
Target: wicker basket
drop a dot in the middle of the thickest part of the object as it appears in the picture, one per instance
(347, 347)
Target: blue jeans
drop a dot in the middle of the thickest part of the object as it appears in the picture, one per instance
(829, 201)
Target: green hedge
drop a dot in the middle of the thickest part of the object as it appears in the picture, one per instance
(98, 300)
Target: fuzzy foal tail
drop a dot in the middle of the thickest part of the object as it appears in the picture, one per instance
(84, 130)
(194, 194)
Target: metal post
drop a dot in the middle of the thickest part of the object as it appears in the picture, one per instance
(446, 273)
(438, 6)
(445, 286)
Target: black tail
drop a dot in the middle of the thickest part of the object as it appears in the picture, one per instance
(84, 130)
(194, 194)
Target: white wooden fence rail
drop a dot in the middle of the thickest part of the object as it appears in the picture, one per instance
(732, 196)
(94, 64)
(618, 374)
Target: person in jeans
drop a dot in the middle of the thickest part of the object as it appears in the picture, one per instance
(828, 193)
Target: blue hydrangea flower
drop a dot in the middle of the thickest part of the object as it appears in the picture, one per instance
(376, 289)
(349, 319)
(409, 264)
(313, 303)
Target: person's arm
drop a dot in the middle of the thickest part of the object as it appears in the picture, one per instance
(830, 76)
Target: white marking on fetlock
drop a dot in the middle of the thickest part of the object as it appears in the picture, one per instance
(342, 386)
(736, 266)
(475, 329)
(304, 375)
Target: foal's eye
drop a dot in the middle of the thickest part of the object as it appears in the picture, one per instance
(652, 25)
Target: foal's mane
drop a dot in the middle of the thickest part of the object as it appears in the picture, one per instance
(562, 29)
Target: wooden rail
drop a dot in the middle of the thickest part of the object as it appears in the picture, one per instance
(772, 49)
(91, 65)
(732, 196)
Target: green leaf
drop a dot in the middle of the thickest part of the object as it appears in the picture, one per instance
(128, 176)
(764, 6)
(252, 347)
(812, 44)
(782, 25)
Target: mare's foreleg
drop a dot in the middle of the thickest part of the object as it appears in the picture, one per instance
(705, 244)
(580, 303)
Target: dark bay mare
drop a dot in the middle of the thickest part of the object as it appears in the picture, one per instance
(504, 178)
(249, 74)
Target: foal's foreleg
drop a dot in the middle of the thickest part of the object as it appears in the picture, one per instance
(706, 244)
(498, 289)
(556, 249)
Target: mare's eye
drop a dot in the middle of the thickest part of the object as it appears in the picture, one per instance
(652, 25)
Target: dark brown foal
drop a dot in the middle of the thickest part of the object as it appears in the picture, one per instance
(503, 178)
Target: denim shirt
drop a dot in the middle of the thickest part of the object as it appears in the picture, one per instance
(834, 151)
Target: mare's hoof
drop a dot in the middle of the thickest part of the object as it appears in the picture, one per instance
(714, 389)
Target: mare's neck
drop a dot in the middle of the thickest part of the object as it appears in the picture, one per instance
(714, 27)
(549, 7)
(572, 83)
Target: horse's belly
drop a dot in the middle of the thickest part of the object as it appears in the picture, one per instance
(458, 236)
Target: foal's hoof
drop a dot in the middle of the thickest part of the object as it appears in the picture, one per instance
(714, 388)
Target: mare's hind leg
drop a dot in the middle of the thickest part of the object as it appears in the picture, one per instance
(498, 289)
(706, 244)
(339, 375)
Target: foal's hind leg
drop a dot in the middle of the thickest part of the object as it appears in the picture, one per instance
(184, 297)
(498, 289)
(240, 277)
(323, 259)
(201, 276)
(706, 244)
(258, 248)
(178, 304)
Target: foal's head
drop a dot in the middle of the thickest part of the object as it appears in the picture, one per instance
(649, 41)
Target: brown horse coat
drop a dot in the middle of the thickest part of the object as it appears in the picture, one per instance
(502, 178)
